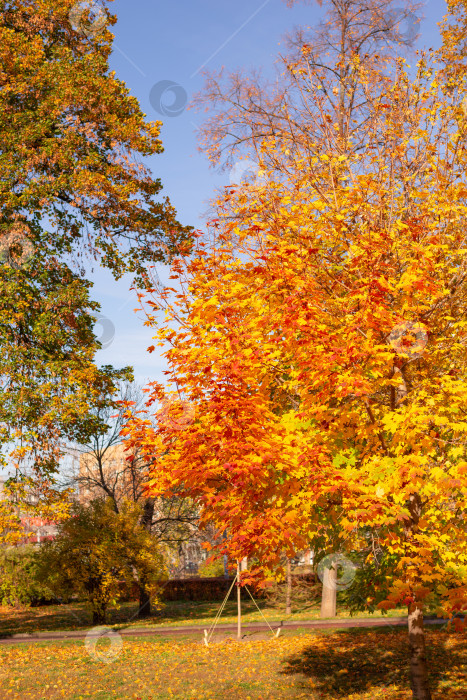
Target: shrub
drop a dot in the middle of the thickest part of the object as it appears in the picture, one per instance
(97, 551)
(196, 589)
(19, 581)
(199, 589)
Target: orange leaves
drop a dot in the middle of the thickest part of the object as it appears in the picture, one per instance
(321, 341)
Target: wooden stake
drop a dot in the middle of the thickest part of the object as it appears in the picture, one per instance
(288, 596)
(239, 604)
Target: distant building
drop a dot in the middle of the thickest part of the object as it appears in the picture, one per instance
(36, 529)
(115, 472)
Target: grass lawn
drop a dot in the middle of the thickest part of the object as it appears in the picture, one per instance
(346, 665)
(176, 613)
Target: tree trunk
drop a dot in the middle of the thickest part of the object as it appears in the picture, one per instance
(418, 665)
(144, 609)
(288, 594)
(328, 599)
(99, 616)
(144, 602)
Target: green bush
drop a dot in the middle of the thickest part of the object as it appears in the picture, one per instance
(19, 584)
(211, 569)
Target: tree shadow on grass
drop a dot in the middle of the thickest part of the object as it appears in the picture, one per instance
(51, 618)
(349, 662)
(43, 618)
(75, 616)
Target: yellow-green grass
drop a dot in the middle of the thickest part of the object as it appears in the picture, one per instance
(178, 613)
(345, 665)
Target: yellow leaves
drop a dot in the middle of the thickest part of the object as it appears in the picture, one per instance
(318, 205)
(213, 301)
(250, 670)
(436, 473)
(391, 421)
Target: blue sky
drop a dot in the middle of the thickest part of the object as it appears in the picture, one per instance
(162, 41)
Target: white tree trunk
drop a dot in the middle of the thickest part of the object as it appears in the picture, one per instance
(328, 599)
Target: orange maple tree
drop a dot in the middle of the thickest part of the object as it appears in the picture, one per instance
(320, 336)
(343, 288)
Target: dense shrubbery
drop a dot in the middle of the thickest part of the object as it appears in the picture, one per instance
(19, 584)
(213, 588)
(99, 551)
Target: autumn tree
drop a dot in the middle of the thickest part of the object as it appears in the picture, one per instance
(345, 280)
(316, 90)
(221, 389)
(96, 552)
(73, 186)
(72, 139)
(49, 380)
(315, 94)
